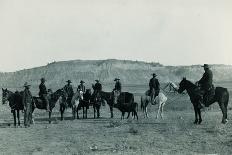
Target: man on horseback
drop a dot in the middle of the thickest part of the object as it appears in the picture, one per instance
(118, 87)
(69, 91)
(206, 84)
(154, 86)
(81, 86)
(97, 87)
(44, 94)
(27, 103)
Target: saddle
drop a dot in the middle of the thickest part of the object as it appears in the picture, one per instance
(207, 96)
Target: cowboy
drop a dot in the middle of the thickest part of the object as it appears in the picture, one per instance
(81, 87)
(118, 86)
(97, 87)
(27, 103)
(44, 94)
(206, 82)
(69, 90)
(154, 86)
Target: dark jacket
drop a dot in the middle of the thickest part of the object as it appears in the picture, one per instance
(69, 90)
(98, 87)
(42, 89)
(154, 84)
(206, 81)
(27, 98)
(81, 87)
(118, 86)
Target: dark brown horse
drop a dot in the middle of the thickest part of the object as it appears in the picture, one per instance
(221, 96)
(15, 103)
(53, 98)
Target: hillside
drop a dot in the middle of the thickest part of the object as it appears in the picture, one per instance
(130, 72)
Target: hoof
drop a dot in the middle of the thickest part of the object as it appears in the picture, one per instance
(195, 122)
(224, 121)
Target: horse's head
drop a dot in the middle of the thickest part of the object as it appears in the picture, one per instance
(182, 85)
(5, 95)
(80, 94)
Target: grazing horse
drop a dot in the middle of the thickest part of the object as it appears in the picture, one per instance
(221, 96)
(15, 103)
(125, 103)
(160, 100)
(75, 102)
(53, 98)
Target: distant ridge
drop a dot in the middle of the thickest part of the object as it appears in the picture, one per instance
(130, 72)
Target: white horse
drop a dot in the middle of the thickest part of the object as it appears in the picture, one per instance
(76, 101)
(160, 100)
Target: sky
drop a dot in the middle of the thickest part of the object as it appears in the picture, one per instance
(171, 32)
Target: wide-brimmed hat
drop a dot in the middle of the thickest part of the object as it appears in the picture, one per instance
(69, 81)
(205, 66)
(154, 74)
(82, 81)
(116, 79)
(97, 80)
(26, 84)
(42, 79)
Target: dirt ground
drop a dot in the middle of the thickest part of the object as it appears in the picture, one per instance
(175, 134)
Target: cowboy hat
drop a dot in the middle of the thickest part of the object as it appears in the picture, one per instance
(205, 66)
(69, 81)
(26, 84)
(97, 80)
(154, 74)
(82, 81)
(116, 79)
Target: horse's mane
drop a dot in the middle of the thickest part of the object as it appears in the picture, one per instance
(190, 84)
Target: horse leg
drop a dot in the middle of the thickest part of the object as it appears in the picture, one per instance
(98, 112)
(128, 115)
(73, 112)
(94, 111)
(196, 116)
(49, 119)
(111, 112)
(146, 112)
(14, 114)
(18, 117)
(77, 113)
(86, 111)
(199, 113)
(161, 110)
(224, 112)
(61, 113)
(135, 114)
(157, 115)
(83, 112)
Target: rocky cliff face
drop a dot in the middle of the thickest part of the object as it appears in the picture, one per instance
(130, 72)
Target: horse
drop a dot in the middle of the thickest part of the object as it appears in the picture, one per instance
(109, 98)
(53, 98)
(75, 103)
(145, 100)
(63, 104)
(97, 102)
(15, 103)
(221, 96)
(83, 103)
(160, 100)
